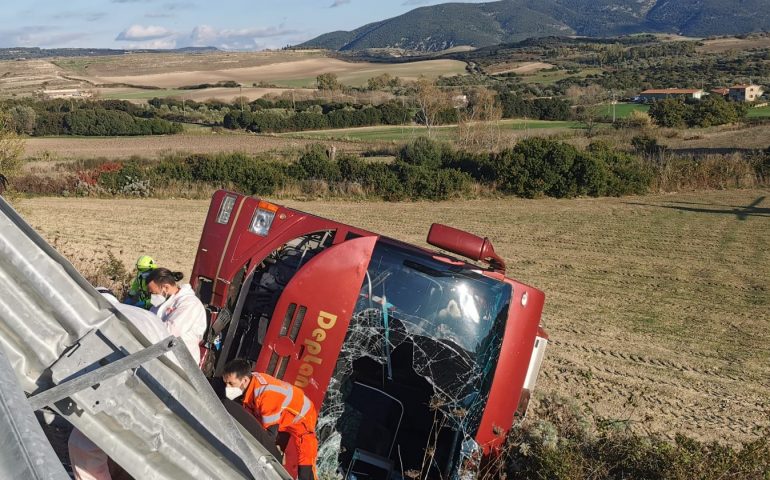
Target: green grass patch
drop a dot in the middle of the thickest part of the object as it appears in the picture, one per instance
(550, 76)
(406, 132)
(624, 110)
(144, 94)
(759, 112)
(78, 65)
(194, 128)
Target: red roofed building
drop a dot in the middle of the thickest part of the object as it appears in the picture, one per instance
(662, 93)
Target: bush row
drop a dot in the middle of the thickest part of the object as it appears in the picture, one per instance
(271, 117)
(278, 120)
(422, 169)
(565, 444)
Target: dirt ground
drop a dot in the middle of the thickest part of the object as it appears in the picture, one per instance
(724, 136)
(523, 68)
(727, 44)
(24, 77)
(656, 306)
(222, 94)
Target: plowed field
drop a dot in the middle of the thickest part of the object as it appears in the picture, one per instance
(658, 307)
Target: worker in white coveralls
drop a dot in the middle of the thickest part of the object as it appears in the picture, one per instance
(88, 461)
(182, 312)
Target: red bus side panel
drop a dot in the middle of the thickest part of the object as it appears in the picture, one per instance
(312, 317)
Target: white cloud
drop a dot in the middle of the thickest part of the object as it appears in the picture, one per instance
(40, 36)
(338, 3)
(239, 39)
(159, 44)
(140, 33)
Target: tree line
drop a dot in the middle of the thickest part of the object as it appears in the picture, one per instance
(86, 118)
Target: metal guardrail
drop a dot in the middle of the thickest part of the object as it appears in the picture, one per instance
(72, 350)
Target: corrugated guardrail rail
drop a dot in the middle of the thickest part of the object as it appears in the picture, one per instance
(73, 352)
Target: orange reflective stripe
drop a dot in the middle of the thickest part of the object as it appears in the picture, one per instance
(269, 397)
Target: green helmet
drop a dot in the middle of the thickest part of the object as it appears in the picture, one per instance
(145, 263)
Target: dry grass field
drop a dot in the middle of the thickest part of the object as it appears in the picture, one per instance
(156, 63)
(139, 95)
(20, 78)
(69, 148)
(520, 68)
(111, 76)
(724, 136)
(727, 44)
(292, 72)
(658, 306)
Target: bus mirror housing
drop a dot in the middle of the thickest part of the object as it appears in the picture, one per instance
(465, 244)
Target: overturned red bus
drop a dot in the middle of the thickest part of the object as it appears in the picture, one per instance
(403, 350)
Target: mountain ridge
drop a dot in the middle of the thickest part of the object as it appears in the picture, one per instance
(446, 25)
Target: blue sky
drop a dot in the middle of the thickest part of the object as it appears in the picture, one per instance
(227, 24)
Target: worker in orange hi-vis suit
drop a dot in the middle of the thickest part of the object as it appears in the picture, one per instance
(280, 407)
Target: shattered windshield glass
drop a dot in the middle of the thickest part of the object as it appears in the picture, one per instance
(422, 344)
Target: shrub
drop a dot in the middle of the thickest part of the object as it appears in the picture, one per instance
(637, 119)
(537, 167)
(481, 166)
(646, 144)
(628, 175)
(114, 180)
(11, 149)
(423, 152)
(35, 185)
(383, 180)
(562, 443)
(351, 167)
(591, 175)
(315, 164)
(423, 182)
(669, 112)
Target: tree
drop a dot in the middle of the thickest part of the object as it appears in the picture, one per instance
(669, 112)
(588, 101)
(381, 82)
(22, 119)
(477, 125)
(715, 110)
(431, 102)
(11, 148)
(327, 81)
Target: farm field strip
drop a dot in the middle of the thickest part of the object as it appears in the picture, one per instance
(442, 132)
(657, 306)
(288, 71)
(68, 148)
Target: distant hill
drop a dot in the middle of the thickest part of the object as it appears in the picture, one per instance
(447, 25)
(16, 53)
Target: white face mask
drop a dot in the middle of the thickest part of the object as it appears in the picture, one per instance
(233, 392)
(157, 300)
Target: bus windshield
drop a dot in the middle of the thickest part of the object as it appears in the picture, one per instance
(434, 298)
(418, 360)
